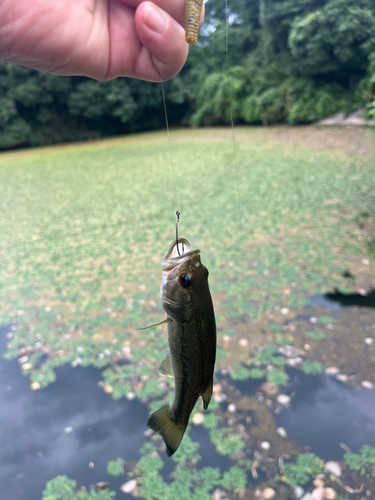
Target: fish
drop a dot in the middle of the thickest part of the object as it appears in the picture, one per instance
(191, 327)
(193, 11)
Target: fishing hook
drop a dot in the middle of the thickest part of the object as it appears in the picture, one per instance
(177, 221)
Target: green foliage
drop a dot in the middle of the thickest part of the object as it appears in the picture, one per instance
(211, 421)
(256, 373)
(38, 108)
(277, 377)
(63, 488)
(269, 356)
(188, 483)
(337, 37)
(60, 488)
(267, 94)
(240, 372)
(363, 462)
(310, 463)
(116, 467)
(275, 327)
(226, 441)
(311, 367)
(314, 103)
(307, 466)
(284, 339)
(371, 112)
(234, 479)
(315, 334)
(326, 320)
(229, 332)
(294, 475)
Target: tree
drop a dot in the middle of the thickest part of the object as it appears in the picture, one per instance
(335, 39)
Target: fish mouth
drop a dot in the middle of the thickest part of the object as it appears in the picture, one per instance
(179, 252)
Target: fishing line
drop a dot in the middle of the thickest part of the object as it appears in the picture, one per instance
(169, 139)
(239, 205)
(178, 213)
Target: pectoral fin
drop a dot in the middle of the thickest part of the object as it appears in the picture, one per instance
(206, 396)
(166, 367)
(168, 320)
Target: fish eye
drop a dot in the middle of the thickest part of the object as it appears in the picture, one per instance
(186, 280)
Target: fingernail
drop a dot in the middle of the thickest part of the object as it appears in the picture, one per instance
(155, 19)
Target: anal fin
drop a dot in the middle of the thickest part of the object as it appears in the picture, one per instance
(206, 396)
(166, 367)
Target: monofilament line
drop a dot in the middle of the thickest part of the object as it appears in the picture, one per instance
(235, 158)
(169, 139)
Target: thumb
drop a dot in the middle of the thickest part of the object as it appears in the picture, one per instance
(164, 50)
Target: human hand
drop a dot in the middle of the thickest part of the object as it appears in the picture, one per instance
(102, 39)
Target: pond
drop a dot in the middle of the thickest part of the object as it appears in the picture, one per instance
(325, 413)
(83, 233)
(71, 427)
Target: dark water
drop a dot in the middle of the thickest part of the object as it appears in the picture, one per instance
(325, 412)
(338, 301)
(34, 447)
(351, 299)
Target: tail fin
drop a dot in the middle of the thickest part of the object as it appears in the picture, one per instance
(172, 433)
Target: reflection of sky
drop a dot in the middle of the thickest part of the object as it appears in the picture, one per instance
(320, 300)
(325, 413)
(34, 422)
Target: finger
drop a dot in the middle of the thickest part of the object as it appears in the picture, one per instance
(164, 49)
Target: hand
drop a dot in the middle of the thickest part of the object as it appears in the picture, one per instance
(102, 39)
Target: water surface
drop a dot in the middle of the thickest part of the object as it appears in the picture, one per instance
(35, 448)
(325, 412)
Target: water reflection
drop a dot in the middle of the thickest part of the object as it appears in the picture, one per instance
(326, 412)
(351, 299)
(338, 301)
(324, 301)
(34, 446)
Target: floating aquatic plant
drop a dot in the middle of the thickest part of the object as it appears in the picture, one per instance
(116, 467)
(363, 462)
(277, 377)
(226, 440)
(310, 367)
(269, 356)
(315, 334)
(234, 479)
(63, 488)
(307, 466)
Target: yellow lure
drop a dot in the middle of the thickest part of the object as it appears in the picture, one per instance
(192, 18)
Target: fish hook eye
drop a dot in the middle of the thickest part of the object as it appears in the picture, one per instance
(186, 280)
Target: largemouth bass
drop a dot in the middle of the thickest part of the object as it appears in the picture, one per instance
(186, 299)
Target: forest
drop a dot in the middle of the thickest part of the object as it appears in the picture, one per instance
(287, 61)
